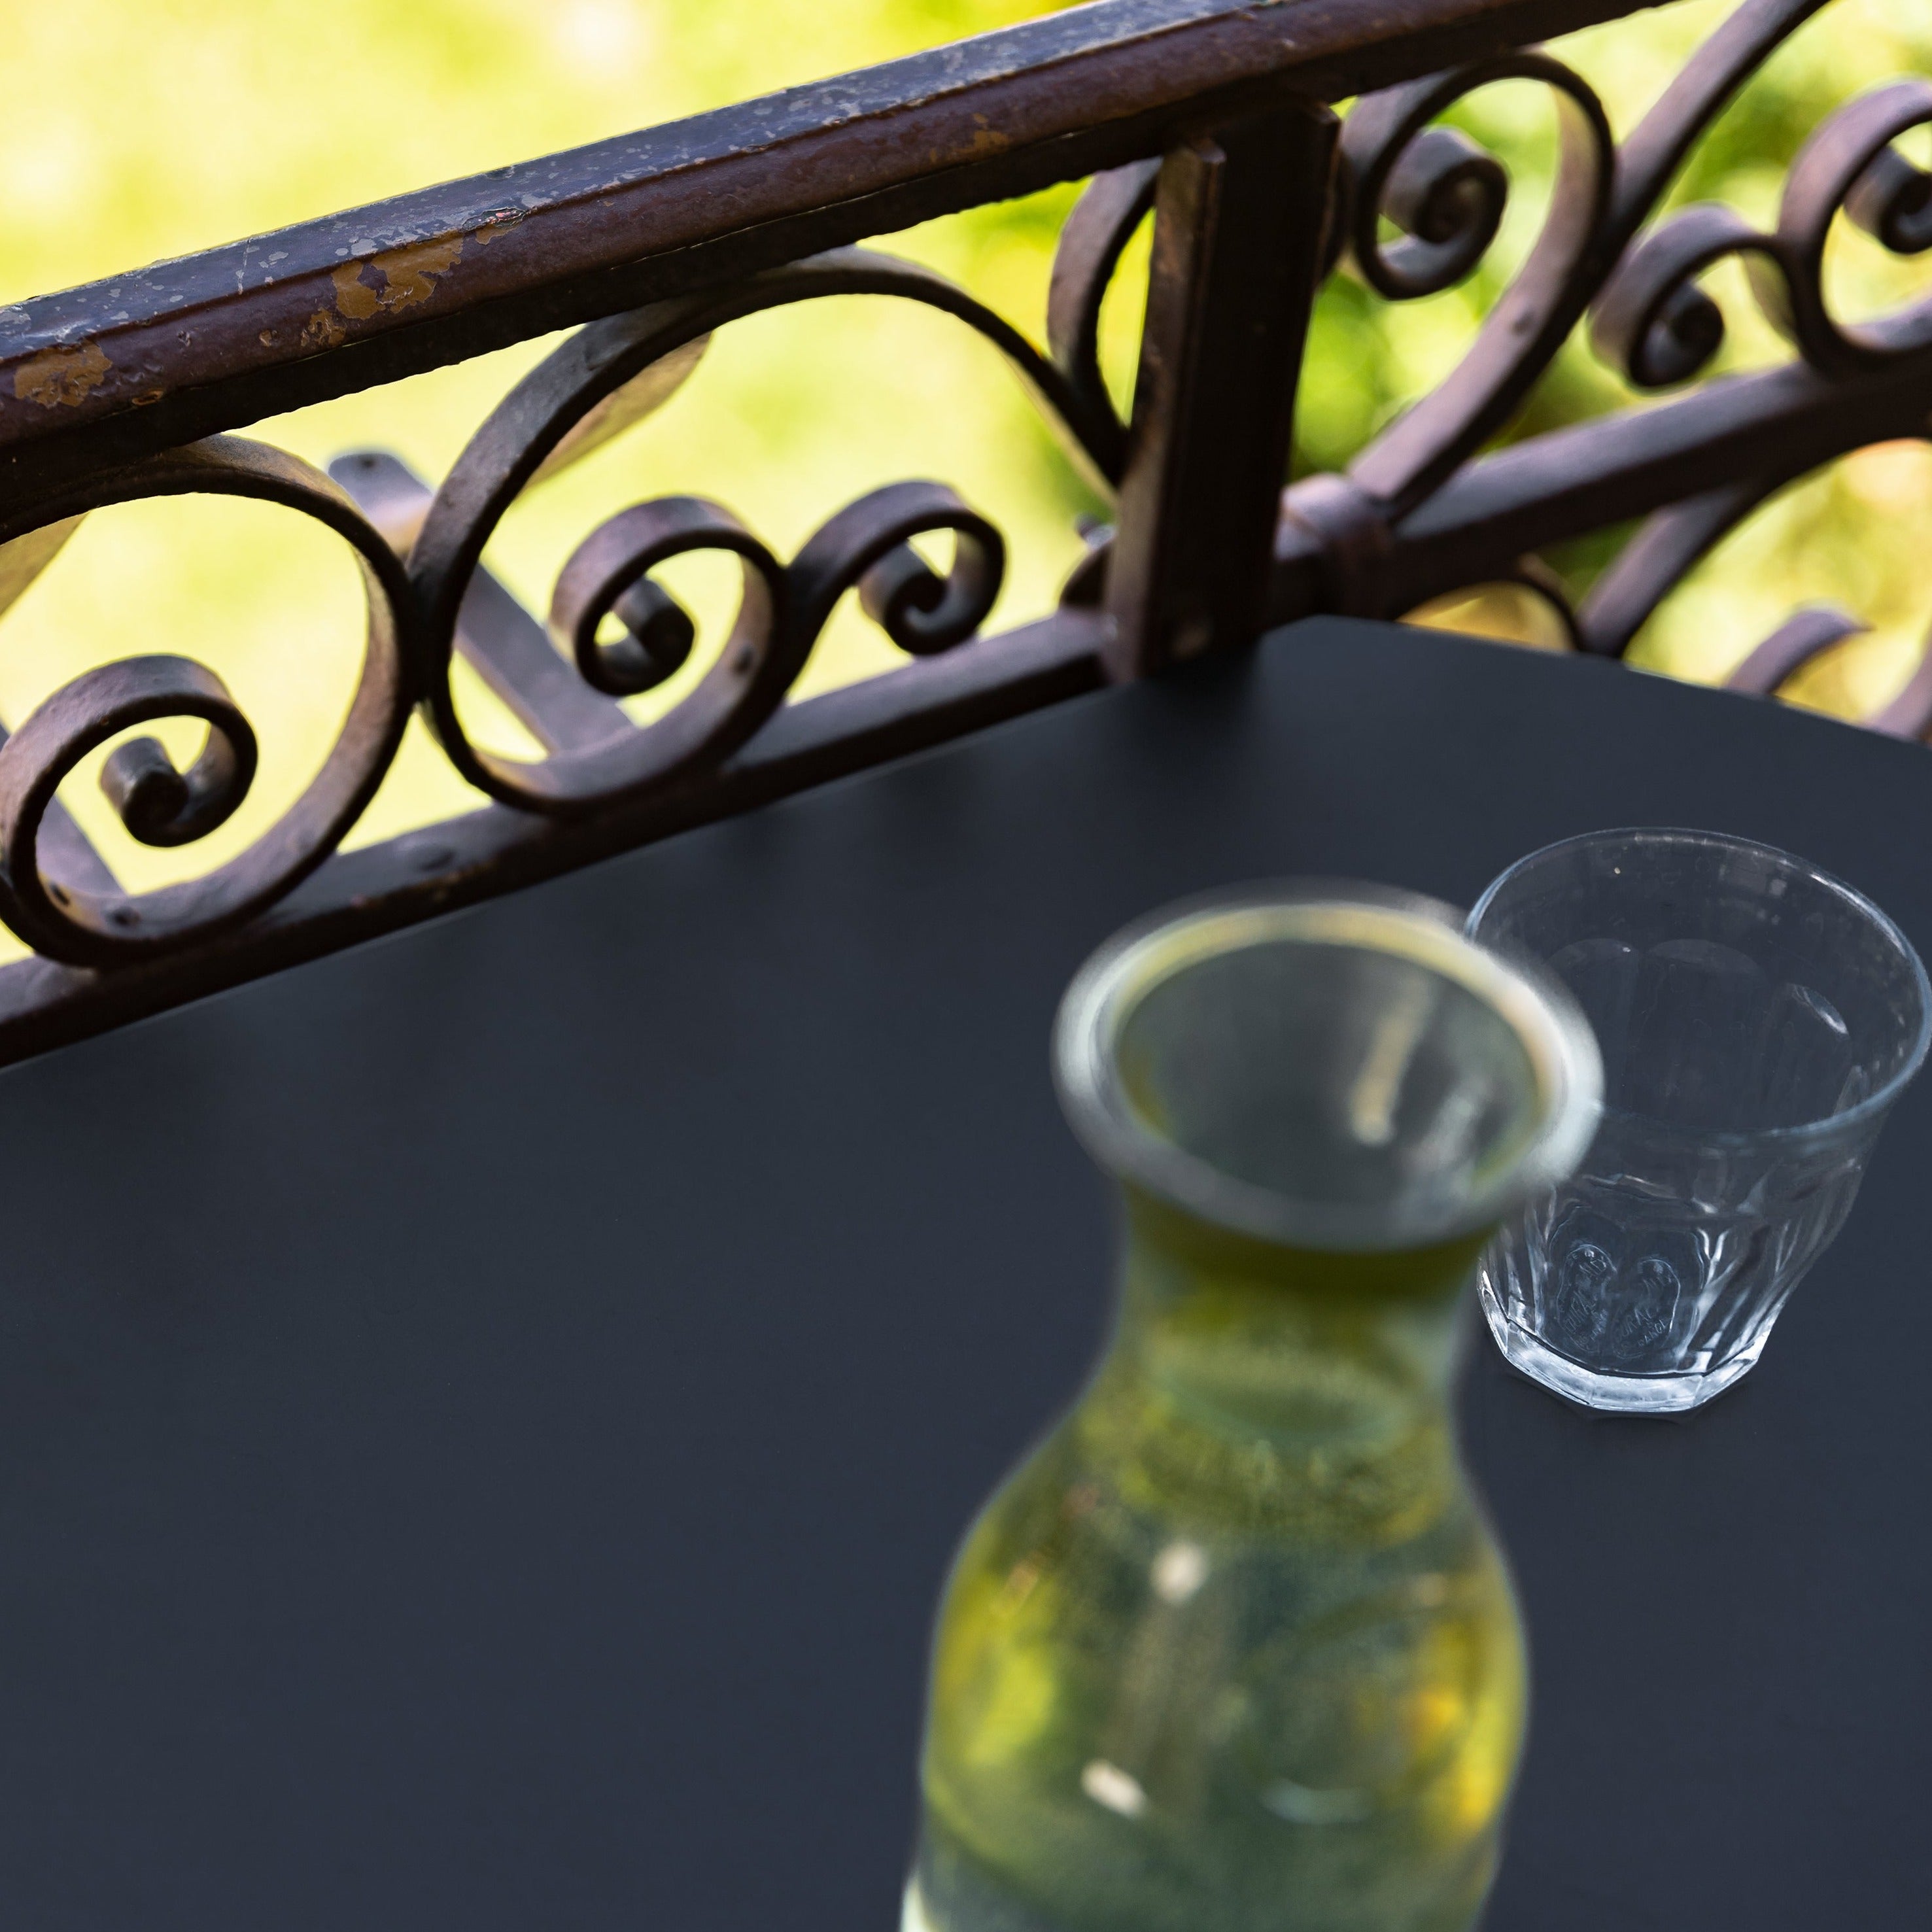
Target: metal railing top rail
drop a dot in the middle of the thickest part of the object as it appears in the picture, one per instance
(155, 358)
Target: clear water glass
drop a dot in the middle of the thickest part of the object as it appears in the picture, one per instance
(1757, 1019)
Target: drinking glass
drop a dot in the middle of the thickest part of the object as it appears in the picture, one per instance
(1233, 1650)
(1757, 1019)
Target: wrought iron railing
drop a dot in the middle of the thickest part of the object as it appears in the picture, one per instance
(1210, 115)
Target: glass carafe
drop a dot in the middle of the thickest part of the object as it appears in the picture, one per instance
(1234, 1650)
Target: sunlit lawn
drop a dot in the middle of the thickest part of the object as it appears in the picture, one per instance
(189, 122)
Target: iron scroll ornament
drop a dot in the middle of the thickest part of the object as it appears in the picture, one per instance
(867, 546)
(1655, 323)
(1446, 197)
(88, 921)
(78, 915)
(1661, 329)
(1647, 315)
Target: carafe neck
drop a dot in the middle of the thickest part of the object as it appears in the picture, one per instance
(1292, 1388)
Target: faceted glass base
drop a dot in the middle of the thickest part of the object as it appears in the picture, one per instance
(1668, 1394)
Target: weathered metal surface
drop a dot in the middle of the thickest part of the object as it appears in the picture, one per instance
(164, 355)
(1239, 225)
(1209, 113)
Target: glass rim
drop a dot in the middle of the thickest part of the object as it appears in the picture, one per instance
(1825, 1126)
(1108, 989)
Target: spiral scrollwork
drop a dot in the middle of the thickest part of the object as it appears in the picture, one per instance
(1449, 195)
(624, 631)
(1446, 194)
(66, 918)
(1650, 317)
(782, 608)
(1653, 323)
(867, 545)
(1891, 201)
(608, 575)
(1659, 329)
(1850, 166)
(158, 804)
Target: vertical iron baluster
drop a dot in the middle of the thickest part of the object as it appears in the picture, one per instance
(1238, 227)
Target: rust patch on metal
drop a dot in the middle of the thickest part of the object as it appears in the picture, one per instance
(60, 378)
(354, 296)
(987, 140)
(411, 272)
(409, 277)
(500, 223)
(322, 331)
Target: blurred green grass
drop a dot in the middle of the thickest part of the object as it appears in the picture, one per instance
(189, 122)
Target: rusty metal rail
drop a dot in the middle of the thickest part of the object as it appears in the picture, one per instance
(1212, 117)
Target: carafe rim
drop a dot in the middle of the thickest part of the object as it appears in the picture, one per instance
(1556, 1040)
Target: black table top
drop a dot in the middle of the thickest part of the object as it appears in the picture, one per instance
(483, 1417)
